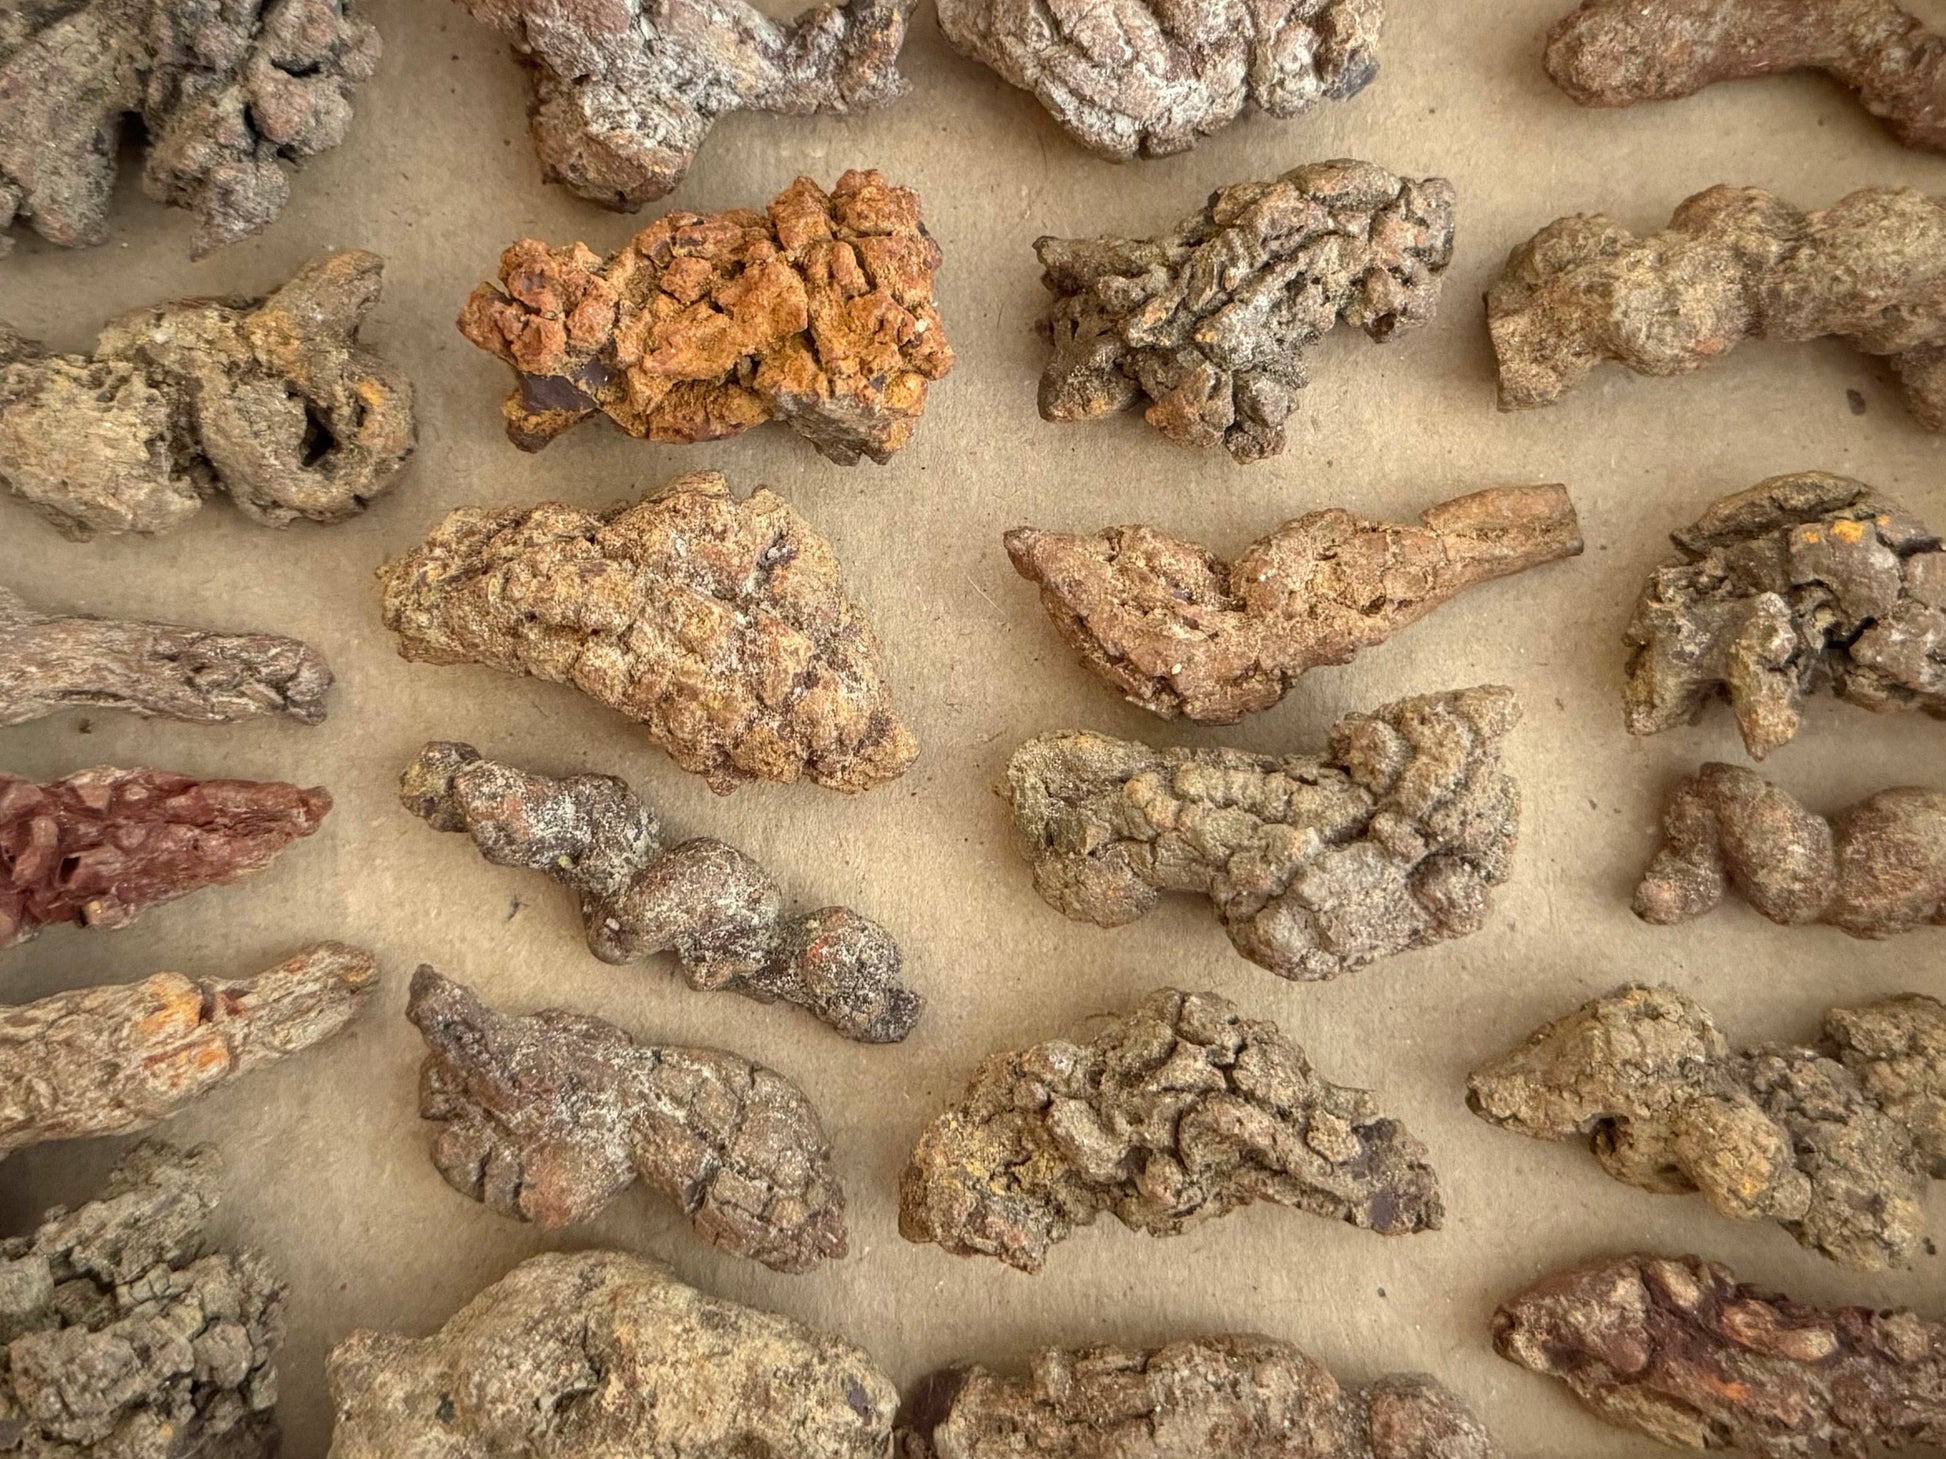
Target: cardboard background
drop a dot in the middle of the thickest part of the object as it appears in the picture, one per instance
(328, 1170)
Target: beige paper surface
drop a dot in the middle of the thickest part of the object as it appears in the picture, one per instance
(328, 1167)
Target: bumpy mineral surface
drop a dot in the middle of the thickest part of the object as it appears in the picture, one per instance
(1316, 864)
(721, 625)
(127, 1337)
(1835, 1141)
(268, 401)
(1872, 870)
(548, 1117)
(97, 848)
(1735, 263)
(624, 95)
(1240, 1397)
(1212, 323)
(1801, 583)
(817, 312)
(570, 1356)
(704, 900)
(1674, 1348)
(113, 1060)
(1176, 1112)
(226, 93)
(1134, 77)
(1180, 631)
(1619, 52)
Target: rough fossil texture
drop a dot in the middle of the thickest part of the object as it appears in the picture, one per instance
(624, 94)
(702, 899)
(1237, 1396)
(1874, 869)
(117, 1059)
(1130, 78)
(227, 91)
(550, 1116)
(1180, 631)
(125, 1336)
(1801, 583)
(598, 1353)
(1619, 52)
(1316, 864)
(817, 312)
(721, 625)
(51, 662)
(97, 848)
(1735, 263)
(1176, 1112)
(1834, 1140)
(1213, 322)
(1674, 1348)
(269, 401)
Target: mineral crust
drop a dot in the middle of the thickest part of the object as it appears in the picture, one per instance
(269, 401)
(817, 312)
(1176, 1112)
(1212, 323)
(1180, 631)
(1733, 264)
(721, 625)
(1316, 864)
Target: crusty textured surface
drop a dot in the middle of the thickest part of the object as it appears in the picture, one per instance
(1180, 631)
(1802, 583)
(269, 401)
(1212, 322)
(1734, 263)
(1316, 864)
(599, 1353)
(817, 311)
(625, 93)
(1130, 78)
(721, 625)
(1176, 1112)
(549, 1116)
(1874, 869)
(1835, 1140)
(226, 90)
(127, 1337)
(715, 908)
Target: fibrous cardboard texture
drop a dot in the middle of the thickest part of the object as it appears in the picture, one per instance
(328, 1165)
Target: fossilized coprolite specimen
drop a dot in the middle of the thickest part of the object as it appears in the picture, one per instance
(100, 846)
(1240, 1397)
(1834, 1141)
(704, 900)
(269, 401)
(1674, 1348)
(1169, 1115)
(1873, 869)
(1801, 583)
(127, 1337)
(1619, 52)
(721, 625)
(1129, 77)
(50, 663)
(1316, 864)
(1735, 263)
(113, 1060)
(549, 1117)
(625, 94)
(1180, 631)
(817, 312)
(225, 93)
(1213, 322)
(598, 1353)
